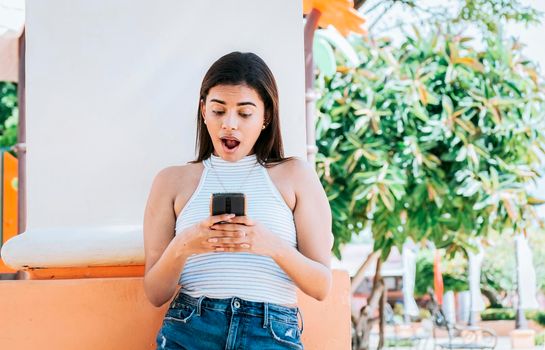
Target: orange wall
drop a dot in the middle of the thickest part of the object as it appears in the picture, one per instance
(113, 313)
(9, 203)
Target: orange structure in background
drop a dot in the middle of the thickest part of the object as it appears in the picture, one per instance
(339, 13)
(9, 203)
(104, 307)
(114, 313)
(84, 272)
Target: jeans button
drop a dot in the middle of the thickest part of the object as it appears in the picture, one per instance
(237, 304)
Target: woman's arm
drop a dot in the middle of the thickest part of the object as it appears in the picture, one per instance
(164, 263)
(309, 267)
(166, 251)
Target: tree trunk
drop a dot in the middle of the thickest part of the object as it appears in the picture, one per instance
(492, 298)
(364, 324)
(359, 276)
(382, 318)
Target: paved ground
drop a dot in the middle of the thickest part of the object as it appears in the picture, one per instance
(504, 343)
(401, 334)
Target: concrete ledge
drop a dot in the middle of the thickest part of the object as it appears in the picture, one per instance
(75, 247)
(114, 313)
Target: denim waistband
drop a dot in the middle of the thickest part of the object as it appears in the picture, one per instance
(255, 308)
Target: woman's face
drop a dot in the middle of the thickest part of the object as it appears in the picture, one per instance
(234, 116)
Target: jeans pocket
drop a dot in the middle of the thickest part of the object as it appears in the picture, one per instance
(181, 313)
(286, 333)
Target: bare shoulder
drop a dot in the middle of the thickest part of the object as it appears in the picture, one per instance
(186, 178)
(301, 167)
(297, 170)
(172, 177)
(293, 178)
(177, 183)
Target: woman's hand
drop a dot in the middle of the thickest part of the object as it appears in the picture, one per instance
(243, 234)
(194, 239)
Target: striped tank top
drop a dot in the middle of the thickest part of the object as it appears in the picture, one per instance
(245, 275)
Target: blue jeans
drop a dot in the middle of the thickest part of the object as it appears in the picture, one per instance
(232, 323)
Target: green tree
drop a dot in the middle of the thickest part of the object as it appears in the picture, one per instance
(434, 140)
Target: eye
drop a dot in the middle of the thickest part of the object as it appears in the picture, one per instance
(218, 112)
(245, 112)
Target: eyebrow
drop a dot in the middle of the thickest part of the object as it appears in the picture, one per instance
(238, 104)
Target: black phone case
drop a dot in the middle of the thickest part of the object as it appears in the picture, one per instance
(228, 203)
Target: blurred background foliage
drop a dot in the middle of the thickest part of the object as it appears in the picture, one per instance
(455, 273)
(433, 139)
(9, 114)
(485, 15)
(498, 275)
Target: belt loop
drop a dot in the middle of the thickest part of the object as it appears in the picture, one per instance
(265, 314)
(199, 302)
(302, 321)
(177, 297)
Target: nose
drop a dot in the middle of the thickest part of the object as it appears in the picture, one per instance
(230, 121)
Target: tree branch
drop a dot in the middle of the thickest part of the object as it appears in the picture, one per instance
(359, 3)
(359, 276)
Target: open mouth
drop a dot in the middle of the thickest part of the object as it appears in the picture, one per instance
(230, 144)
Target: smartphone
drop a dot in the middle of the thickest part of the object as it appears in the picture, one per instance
(228, 203)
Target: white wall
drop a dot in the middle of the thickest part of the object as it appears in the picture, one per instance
(112, 90)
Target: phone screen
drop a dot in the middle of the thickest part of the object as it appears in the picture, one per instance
(228, 203)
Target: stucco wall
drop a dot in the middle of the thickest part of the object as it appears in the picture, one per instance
(112, 91)
(114, 313)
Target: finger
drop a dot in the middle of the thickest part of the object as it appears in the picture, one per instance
(226, 227)
(234, 248)
(229, 245)
(217, 218)
(226, 240)
(245, 220)
(223, 233)
(224, 249)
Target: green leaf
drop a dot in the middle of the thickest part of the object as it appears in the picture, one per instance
(324, 57)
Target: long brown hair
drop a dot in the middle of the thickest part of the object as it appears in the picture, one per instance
(244, 68)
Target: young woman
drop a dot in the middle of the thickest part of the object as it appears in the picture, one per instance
(238, 274)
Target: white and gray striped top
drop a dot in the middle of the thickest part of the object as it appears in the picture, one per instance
(245, 275)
